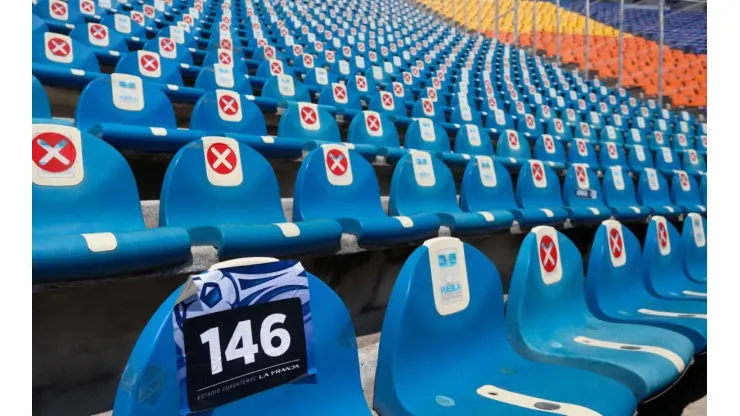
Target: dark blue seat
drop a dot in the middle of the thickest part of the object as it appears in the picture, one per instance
(548, 321)
(422, 183)
(615, 292)
(426, 311)
(334, 389)
(339, 184)
(226, 195)
(87, 220)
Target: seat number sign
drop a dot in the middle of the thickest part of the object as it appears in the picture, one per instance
(239, 352)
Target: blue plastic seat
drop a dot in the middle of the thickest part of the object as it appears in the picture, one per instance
(550, 151)
(123, 24)
(639, 159)
(657, 140)
(383, 102)
(318, 78)
(305, 125)
(703, 186)
(499, 121)
(62, 61)
(108, 45)
(38, 25)
(571, 117)
(168, 48)
(653, 192)
(530, 127)
(371, 133)
(701, 144)
(663, 272)
(463, 113)
(694, 245)
(584, 131)
(227, 196)
(548, 321)
(559, 130)
(128, 112)
(634, 137)
(682, 143)
(582, 195)
(611, 134)
(615, 292)
(422, 184)
(686, 194)
(538, 189)
(58, 15)
(273, 67)
(612, 155)
(512, 151)
(164, 73)
(581, 151)
(428, 135)
(694, 163)
(338, 96)
(87, 220)
(619, 195)
(225, 57)
(471, 140)
(333, 390)
(425, 312)
(220, 76)
(337, 183)
(666, 161)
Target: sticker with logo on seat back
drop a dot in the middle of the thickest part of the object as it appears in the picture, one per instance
(449, 274)
(683, 179)
(423, 168)
(667, 155)
(487, 171)
(224, 75)
(617, 177)
(56, 155)
(697, 226)
(426, 127)
(473, 135)
(548, 254)
(127, 91)
(285, 85)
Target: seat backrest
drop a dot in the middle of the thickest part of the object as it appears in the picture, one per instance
(217, 180)
(584, 131)
(426, 134)
(511, 145)
(427, 108)
(167, 48)
(306, 121)
(548, 149)
(427, 310)
(571, 117)
(619, 190)
(273, 67)
(422, 183)
(473, 140)
(652, 189)
(529, 124)
(220, 76)
(59, 11)
(661, 253)
(463, 113)
(361, 85)
(703, 186)
(81, 184)
(666, 159)
(595, 120)
(373, 128)
(610, 134)
(693, 161)
(538, 187)
(97, 35)
(694, 244)
(547, 277)
(225, 57)
(640, 158)
(59, 50)
(123, 99)
(557, 128)
(284, 88)
(486, 186)
(634, 137)
(338, 96)
(611, 154)
(335, 182)
(498, 119)
(582, 188)
(155, 380)
(682, 142)
(684, 190)
(123, 24)
(319, 77)
(657, 139)
(149, 65)
(39, 101)
(222, 111)
(581, 151)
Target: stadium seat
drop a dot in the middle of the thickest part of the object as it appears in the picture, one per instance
(703, 186)
(62, 61)
(666, 161)
(336, 95)
(426, 311)
(538, 188)
(686, 193)
(615, 292)
(303, 126)
(371, 133)
(653, 192)
(220, 76)
(610, 154)
(41, 109)
(472, 140)
(284, 90)
(694, 245)
(334, 389)
(337, 183)
(582, 195)
(421, 183)
(581, 151)
(227, 196)
(499, 121)
(107, 45)
(428, 135)
(550, 151)
(548, 321)
(639, 159)
(663, 272)
(512, 151)
(164, 73)
(694, 163)
(619, 195)
(559, 130)
(87, 220)
(58, 15)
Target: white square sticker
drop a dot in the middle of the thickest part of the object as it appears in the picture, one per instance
(127, 92)
(427, 130)
(652, 177)
(322, 78)
(423, 168)
(223, 161)
(285, 85)
(473, 135)
(122, 23)
(58, 48)
(617, 177)
(487, 171)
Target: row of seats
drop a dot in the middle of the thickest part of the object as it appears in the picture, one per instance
(568, 343)
(211, 185)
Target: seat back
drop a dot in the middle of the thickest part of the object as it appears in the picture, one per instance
(220, 76)
(338, 96)
(123, 99)
(427, 108)
(426, 134)
(612, 155)
(361, 85)
(422, 183)
(100, 36)
(585, 131)
(693, 162)
(511, 145)
(610, 134)
(39, 101)
(225, 57)
(59, 50)
(595, 120)
(319, 77)
(443, 316)
(168, 48)
(640, 158)
(486, 186)
(306, 121)
(335, 182)
(657, 139)
(217, 180)
(149, 65)
(619, 190)
(582, 188)
(123, 24)
(81, 185)
(682, 143)
(154, 383)
(538, 187)
(694, 245)
(548, 149)
(373, 128)
(558, 129)
(634, 137)
(529, 124)
(499, 120)
(581, 151)
(684, 190)
(463, 113)
(652, 189)
(383, 102)
(473, 140)
(661, 253)
(284, 88)
(58, 11)
(703, 186)
(666, 159)
(225, 111)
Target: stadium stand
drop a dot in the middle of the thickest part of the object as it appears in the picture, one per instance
(299, 128)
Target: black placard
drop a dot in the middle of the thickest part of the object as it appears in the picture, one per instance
(236, 379)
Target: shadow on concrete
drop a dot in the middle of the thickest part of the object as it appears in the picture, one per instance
(691, 388)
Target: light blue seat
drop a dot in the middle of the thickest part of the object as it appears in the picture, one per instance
(694, 245)
(499, 121)
(512, 151)
(581, 151)
(425, 313)
(428, 108)
(685, 193)
(582, 195)
(345, 102)
(339, 184)
(619, 195)
(559, 130)
(653, 192)
(465, 114)
(334, 390)
(610, 154)
(472, 140)
(663, 272)
(223, 77)
(615, 292)
(371, 133)
(422, 183)
(87, 219)
(227, 196)
(62, 61)
(694, 163)
(681, 142)
(666, 161)
(130, 113)
(548, 321)
(164, 73)
(284, 90)
(584, 131)
(538, 191)
(428, 135)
